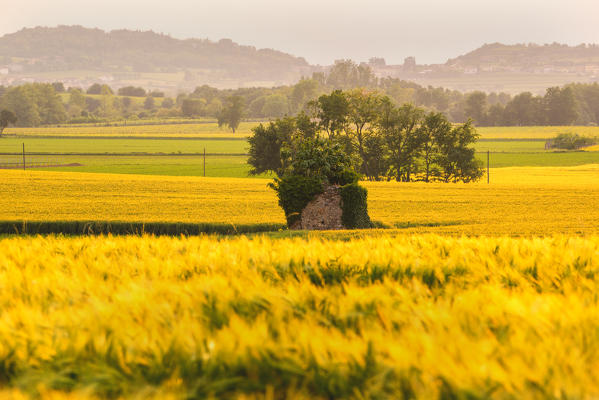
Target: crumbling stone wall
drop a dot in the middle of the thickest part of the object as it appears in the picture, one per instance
(324, 212)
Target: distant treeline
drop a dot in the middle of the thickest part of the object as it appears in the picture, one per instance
(37, 104)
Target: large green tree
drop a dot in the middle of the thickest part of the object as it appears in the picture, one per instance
(331, 111)
(399, 127)
(476, 107)
(34, 104)
(266, 144)
(456, 157)
(275, 105)
(362, 113)
(232, 112)
(7, 117)
(560, 106)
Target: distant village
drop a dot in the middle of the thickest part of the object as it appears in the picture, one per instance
(489, 68)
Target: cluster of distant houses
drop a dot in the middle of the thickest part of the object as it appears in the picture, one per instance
(380, 68)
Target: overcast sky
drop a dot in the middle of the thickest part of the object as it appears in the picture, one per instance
(325, 30)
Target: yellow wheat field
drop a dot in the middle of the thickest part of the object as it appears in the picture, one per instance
(534, 132)
(211, 129)
(418, 316)
(519, 201)
(207, 129)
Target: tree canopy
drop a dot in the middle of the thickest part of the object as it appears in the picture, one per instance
(7, 117)
(232, 112)
(379, 140)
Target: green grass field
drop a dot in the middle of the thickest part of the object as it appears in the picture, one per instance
(510, 146)
(216, 166)
(236, 166)
(174, 149)
(225, 145)
(540, 159)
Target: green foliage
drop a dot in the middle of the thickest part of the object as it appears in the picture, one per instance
(560, 106)
(364, 131)
(7, 117)
(275, 105)
(571, 141)
(320, 158)
(457, 160)
(232, 112)
(192, 107)
(312, 164)
(295, 192)
(149, 103)
(346, 177)
(265, 146)
(97, 88)
(34, 104)
(331, 111)
(132, 91)
(345, 74)
(272, 145)
(475, 107)
(303, 92)
(398, 143)
(167, 103)
(354, 206)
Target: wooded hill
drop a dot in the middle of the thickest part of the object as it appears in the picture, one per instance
(79, 57)
(68, 48)
(531, 57)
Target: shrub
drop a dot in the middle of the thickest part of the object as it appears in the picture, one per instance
(295, 192)
(345, 177)
(571, 141)
(354, 207)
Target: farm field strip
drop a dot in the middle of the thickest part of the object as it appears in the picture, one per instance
(236, 166)
(193, 145)
(534, 132)
(212, 129)
(431, 316)
(539, 159)
(87, 145)
(520, 201)
(169, 165)
(171, 130)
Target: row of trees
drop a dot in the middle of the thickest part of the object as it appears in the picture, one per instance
(39, 104)
(558, 106)
(572, 104)
(382, 140)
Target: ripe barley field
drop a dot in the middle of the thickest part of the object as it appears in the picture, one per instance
(186, 130)
(519, 201)
(420, 316)
(211, 129)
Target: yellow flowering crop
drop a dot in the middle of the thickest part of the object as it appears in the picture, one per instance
(206, 129)
(519, 201)
(419, 316)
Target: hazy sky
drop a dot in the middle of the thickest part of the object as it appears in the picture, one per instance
(325, 30)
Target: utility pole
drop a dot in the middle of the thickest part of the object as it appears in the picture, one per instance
(488, 158)
(204, 162)
(23, 156)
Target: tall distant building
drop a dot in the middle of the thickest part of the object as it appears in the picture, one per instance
(409, 64)
(377, 62)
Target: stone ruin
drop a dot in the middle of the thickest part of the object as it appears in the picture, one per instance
(324, 212)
